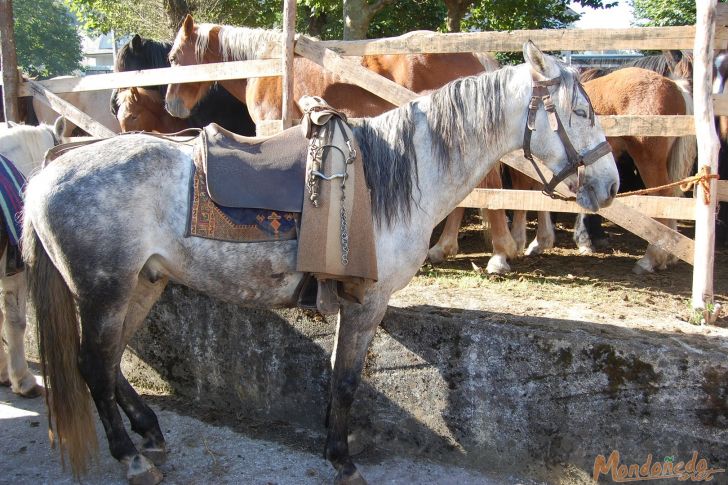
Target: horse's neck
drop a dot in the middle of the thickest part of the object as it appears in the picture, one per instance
(442, 189)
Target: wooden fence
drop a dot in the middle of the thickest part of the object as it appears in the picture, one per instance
(635, 214)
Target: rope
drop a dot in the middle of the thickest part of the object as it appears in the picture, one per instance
(701, 178)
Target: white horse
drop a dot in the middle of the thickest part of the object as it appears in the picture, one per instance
(25, 146)
(105, 224)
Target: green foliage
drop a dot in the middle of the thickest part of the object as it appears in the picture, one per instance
(664, 13)
(508, 15)
(148, 18)
(525, 14)
(406, 15)
(46, 40)
(661, 13)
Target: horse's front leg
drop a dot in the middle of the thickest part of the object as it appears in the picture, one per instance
(355, 329)
(13, 290)
(447, 245)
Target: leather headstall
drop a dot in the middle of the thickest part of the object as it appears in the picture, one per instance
(575, 161)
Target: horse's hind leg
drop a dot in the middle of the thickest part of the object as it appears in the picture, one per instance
(13, 290)
(99, 362)
(143, 420)
(356, 327)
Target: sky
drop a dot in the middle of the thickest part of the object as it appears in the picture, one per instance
(615, 17)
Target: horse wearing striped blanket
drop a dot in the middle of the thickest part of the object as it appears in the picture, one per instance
(22, 149)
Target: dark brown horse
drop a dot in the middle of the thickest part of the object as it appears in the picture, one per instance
(208, 43)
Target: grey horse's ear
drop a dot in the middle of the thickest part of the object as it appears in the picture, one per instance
(13, 124)
(136, 42)
(59, 128)
(540, 63)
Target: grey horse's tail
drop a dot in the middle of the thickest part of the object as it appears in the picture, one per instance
(68, 399)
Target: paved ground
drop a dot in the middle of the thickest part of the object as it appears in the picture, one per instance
(200, 454)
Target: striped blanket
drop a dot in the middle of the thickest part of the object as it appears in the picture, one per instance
(12, 184)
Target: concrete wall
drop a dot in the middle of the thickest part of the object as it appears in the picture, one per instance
(491, 391)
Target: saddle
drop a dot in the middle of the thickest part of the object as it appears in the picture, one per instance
(249, 172)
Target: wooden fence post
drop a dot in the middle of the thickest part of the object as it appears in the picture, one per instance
(9, 61)
(708, 147)
(289, 40)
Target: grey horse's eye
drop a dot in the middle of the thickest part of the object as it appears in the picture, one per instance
(580, 112)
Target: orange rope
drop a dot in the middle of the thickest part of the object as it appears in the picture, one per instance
(702, 178)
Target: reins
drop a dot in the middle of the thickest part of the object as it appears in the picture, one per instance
(576, 162)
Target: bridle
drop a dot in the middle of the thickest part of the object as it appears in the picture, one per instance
(576, 162)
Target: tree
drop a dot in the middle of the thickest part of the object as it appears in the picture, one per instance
(159, 19)
(47, 43)
(526, 14)
(663, 13)
(358, 15)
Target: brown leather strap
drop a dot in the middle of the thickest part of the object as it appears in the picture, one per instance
(575, 161)
(63, 148)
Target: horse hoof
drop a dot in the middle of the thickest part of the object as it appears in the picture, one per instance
(497, 265)
(436, 255)
(640, 269)
(601, 244)
(142, 472)
(355, 478)
(5, 383)
(157, 455)
(33, 392)
(585, 250)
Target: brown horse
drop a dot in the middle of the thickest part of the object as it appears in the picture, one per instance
(208, 43)
(142, 109)
(659, 160)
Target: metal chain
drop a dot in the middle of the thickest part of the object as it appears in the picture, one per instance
(344, 226)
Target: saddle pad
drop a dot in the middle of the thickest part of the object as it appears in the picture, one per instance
(266, 172)
(12, 184)
(211, 221)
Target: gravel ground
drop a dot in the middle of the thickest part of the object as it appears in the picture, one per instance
(199, 454)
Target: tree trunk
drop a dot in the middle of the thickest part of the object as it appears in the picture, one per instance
(357, 16)
(9, 62)
(176, 11)
(456, 10)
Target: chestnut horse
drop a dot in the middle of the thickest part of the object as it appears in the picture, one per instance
(208, 43)
(659, 159)
(141, 109)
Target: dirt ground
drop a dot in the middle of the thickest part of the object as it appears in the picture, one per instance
(563, 283)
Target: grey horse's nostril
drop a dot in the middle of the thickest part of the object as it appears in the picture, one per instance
(613, 189)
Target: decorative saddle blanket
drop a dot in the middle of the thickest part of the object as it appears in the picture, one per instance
(12, 183)
(233, 224)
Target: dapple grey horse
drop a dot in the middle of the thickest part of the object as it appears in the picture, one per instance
(105, 230)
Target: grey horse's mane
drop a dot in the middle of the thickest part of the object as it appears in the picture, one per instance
(236, 43)
(467, 111)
